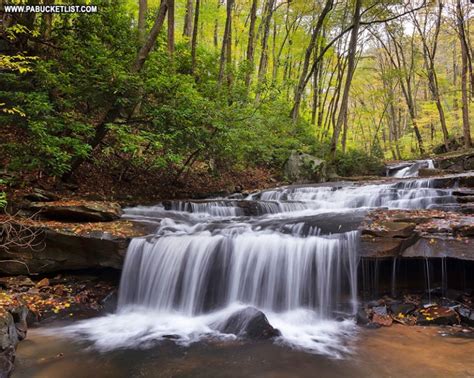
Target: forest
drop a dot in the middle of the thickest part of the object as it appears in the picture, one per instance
(213, 91)
(236, 188)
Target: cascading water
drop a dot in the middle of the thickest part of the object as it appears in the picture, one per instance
(296, 261)
(410, 170)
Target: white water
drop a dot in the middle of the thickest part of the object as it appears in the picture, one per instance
(207, 260)
(412, 170)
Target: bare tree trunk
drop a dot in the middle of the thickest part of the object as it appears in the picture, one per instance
(171, 26)
(150, 41)
(188, 19)
(429, 54)
(351, 64)
(262, 67)
(47, 22)
(310, 49)
(251, 44)
(142, 9)
(195, 36)
(226, 51)
(464, 72)
(216, 27)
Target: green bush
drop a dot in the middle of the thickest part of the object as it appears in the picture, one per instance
(358, 163)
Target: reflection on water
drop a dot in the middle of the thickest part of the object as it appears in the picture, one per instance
(396, 351)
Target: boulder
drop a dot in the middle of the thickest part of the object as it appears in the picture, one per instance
(466, 314)
(437, 315)
(12, 330)
(249, 323)
(305, 168)
(362, 318)
(457, 161)
(77, 211)
(404, 309)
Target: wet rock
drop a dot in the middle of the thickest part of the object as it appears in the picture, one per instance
(466, 314)
(391, 229)
(249, 323)
(435, 246)
(109, 303)
(402, 308)
(304, 168)
(59, 250)
(373, 326)
(467, 208)
(362, 318)
(383, 320)
(83, 211)
(12, 330)
(380, 310)
(466, 199)
(437, 315)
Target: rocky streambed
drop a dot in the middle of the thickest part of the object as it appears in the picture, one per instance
(413, 240)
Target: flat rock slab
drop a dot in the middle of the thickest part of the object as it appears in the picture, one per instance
(391, 229)
(70, 246)
(78, 211)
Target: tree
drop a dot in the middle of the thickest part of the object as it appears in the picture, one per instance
(464, 72)
(429, 54)
(188, 19)
(351, 64)
(225, 62)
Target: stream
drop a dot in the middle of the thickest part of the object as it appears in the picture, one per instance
(295, 258)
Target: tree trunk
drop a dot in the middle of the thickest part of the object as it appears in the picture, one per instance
(142, 9)
(171, 26)
(195, 36)
(429, 54)
(351, 63)
(47, 22)
(188, 19)
(150, 41)
(262, 67)
(251, 44)
(310, 49)
(464, 73)
(216, 27)
(226, 51)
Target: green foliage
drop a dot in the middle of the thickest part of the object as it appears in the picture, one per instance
(55, 93)
(357, 163)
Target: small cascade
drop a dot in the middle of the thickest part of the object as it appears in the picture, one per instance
(216, 208)
(409, 170)
(413, 194)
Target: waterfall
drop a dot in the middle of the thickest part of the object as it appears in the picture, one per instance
(291, 252)
(194, 274)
